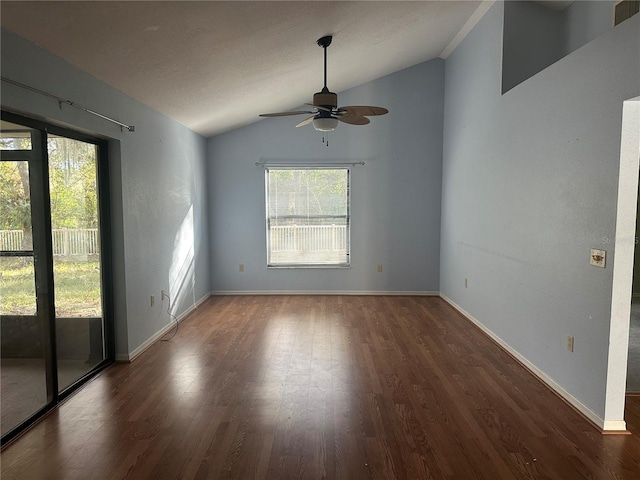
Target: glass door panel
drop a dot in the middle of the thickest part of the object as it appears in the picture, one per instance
(76, 257)
(17, 287)
(23, 369)
(54, 335)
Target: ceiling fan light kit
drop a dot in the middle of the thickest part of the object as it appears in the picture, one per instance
(326, 113)
(325, 124)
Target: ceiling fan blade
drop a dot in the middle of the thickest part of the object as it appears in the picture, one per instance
(306, 121)
(284, 114)
(319, 107)
(354, 119)
(361, 110)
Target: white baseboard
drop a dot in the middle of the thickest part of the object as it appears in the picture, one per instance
(615, 426)
(326, 292)
(609, 426)
(159, 334)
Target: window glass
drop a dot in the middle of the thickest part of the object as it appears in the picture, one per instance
(14, 137)
(308, 217)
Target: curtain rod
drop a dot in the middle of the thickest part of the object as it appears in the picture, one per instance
(131, 128)
(306, 165)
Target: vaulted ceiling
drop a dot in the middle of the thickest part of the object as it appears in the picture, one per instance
(214, 66)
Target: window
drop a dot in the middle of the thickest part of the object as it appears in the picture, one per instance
(307, 217)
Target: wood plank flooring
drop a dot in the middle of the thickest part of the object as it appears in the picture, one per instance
(335, 387)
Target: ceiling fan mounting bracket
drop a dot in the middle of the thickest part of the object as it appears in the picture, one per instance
(325, 41)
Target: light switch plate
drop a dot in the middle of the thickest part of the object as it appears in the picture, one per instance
(597, 258)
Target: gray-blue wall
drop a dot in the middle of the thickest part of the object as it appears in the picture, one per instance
(158, 187)
(395, 197)
(584, 21)
(535, 36)
(529, 186)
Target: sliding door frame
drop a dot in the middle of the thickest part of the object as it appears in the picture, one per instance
(43, 248)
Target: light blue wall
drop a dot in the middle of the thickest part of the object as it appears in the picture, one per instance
(535, 36)
(533, 39)
(584, 21)
(158, 187)
(529, 186)
(395, 197)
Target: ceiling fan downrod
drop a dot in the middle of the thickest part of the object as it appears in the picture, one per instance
(324, 42)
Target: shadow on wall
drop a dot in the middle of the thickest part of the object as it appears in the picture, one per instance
(181, 272)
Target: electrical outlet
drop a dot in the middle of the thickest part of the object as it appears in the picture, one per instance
(163, 294)
(597, 258)
(152, 301)
(241, 267)
(570, 343)
(379, 267)
(465, 283)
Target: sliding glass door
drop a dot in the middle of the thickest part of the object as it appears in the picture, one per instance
(54, 277)
(23, 325)
(76, 257)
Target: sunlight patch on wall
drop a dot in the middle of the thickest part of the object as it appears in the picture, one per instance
(181, 272)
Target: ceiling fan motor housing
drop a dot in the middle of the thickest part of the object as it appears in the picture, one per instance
(325, 99)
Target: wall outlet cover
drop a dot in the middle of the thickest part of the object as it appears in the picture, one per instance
(570, 343)
(597, 258)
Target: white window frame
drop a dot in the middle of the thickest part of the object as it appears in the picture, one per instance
(347, 262)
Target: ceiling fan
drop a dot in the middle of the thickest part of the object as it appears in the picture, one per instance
(326, 113)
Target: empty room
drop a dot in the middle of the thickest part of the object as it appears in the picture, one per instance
(320, 239)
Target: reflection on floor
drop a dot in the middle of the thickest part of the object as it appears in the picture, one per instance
(633, 364)
(23, 386)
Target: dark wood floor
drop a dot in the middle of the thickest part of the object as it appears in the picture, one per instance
(322, 387)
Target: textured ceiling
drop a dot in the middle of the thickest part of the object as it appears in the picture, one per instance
(214, 66)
